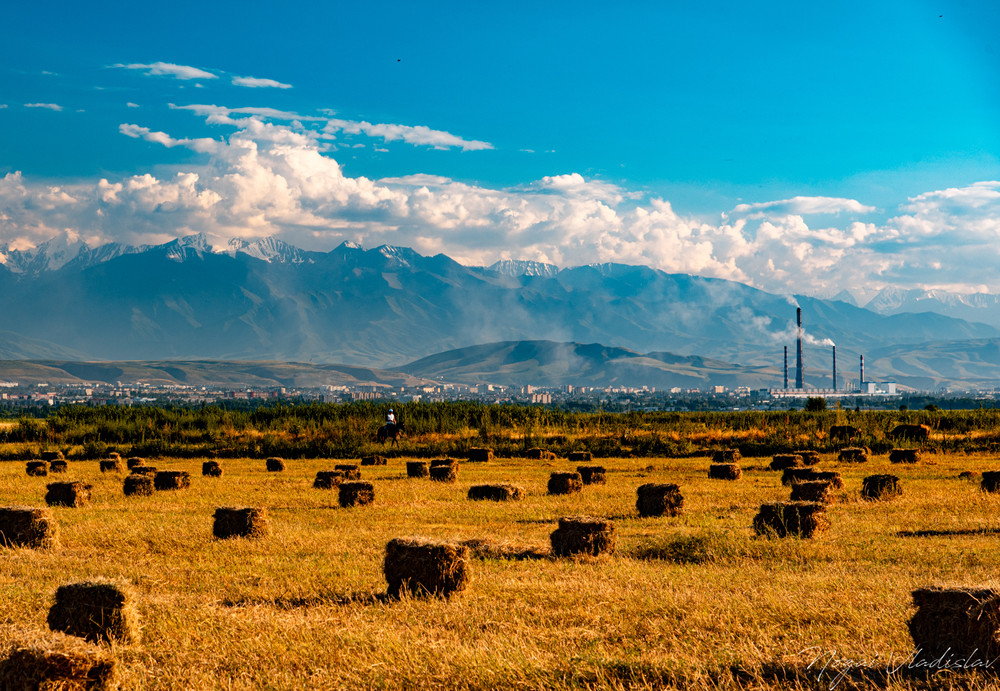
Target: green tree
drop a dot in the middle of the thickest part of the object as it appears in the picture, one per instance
(815, 405)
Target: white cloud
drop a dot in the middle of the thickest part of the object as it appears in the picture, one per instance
(204, 145)
(2, 106)
(255, 83)
(170, 70)
(220, 115)
(805, 206)
(132, 105)
(418, 135)
(49, 106)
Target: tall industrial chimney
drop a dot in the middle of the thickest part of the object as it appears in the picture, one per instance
(786, 368)
(834, 368)
(862, 372)
(798, 349)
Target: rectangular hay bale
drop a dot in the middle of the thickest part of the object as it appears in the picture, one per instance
(592, 474)
(65, 664)
(246, 521)
(496, 492)
(963, 623)
(73, 494)
(659, 499)
(99, 610)
(138, 484)
(565, 483)
(480, 455)
(37, 468)
(725, 471)
(374, 460)
(211, 469)
(351, 471)
(171, 479)
(356, 493)
(417, 469)
(583, 535)
(799, 518)
(423, 567)
(26, 526)
(328, 479)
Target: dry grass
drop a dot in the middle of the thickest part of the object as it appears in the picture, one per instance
(694, 601)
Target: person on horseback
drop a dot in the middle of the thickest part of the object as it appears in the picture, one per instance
(390, 418)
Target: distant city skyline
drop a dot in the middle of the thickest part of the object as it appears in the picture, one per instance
(795, 148)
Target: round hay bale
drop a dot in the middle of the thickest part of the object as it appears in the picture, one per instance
(904, 456)
(783, 461)
(144, 470)
(328, 479)
(138, 484)
(73, 494)
(592, 474)
(800, 474)
(422, 567)
(275, 465)
(809, 457)
(725, 471)
(351, 471)
(580, 456)
(211, 469)
(990, 481)
(480, 455)
(853, 454)
(112, 465)
(496, 492)
(417, 469)
(58, 466)
(231, 521)
(583, 535)
(134, 461)
(659, 499)
(26, 526)
(51, 456)
(98, 610)
(811, 490)
(960, 623)
(565, 483)
(727, 456)
(374, 460)
(880, 488)
(356, 493)
(67, 663)
(799, 518)
(37, 468)
(171, 479)
(444, 473)
(539, 454)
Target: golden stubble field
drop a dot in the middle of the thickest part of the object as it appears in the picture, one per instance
(695, 601)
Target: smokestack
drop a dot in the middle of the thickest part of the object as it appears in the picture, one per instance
(798, 349)
(862, 371)
(834, 368)
(786, 368)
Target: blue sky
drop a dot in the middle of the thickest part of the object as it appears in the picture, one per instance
(854, 142)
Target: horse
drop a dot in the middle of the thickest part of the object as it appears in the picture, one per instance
(390, 431)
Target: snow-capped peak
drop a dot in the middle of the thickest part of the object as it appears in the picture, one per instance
(269, 249)
(522, 267)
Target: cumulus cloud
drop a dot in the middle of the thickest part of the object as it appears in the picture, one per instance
(49, 106)
(170, 70)
(804, 206)
(255, 83)
(418, 134)
(204, 145)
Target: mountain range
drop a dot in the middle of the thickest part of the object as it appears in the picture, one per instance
(267, 300)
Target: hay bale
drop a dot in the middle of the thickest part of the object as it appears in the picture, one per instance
(725, 471)
(26, 526)
(114, 455)
(444, 472)
(144, 470)
(831, 476)
(356, 493)
(960, 623)
(657, 499)
(211, 469)
(96, 611)
(480, 455)
(539, 454)
(112, 465)
(134, 461)
(373, 460)
(798, 518)
(274, 465)
(904, 456)
(800, 474)
(583, 535)
(809, 457)
(73, 494)
(138, 484)
(853, 454)
(231, 521)
(51, 456)
(496, 492)
(880, 487)
(64, 665)
(783, 461)
(172, 479)
(37, 468)
(328, 479)
(424, 567)
(811, 490)
(351, 471)
(727, 456)
(58, 466)
(417, 469)
(565, 483)
(990, 481)
(580, 456)
(592, 474)
(444, 461)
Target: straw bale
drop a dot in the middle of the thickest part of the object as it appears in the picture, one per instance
(58, 466)
(144, 470)
(423, 567)
(231, 521)
(66, 664)
(138, 484)
(727, 456)
(275, 465)
(783, 461)
(798, 518)
(37, 468)
(374, 460)
(73, 494)
(853, 454)
(112, 465)
(496, 492)
(328, 479)
(539, 454)
(134, 461)
(904, 456)
(659, 499)
(211, 469)
(114, 455)
(831, 476)
(26, 526)
(356, 493)
(99, 610)
(444, 472)
(809, 457)
(565, 483)
(480, 455)
(172, 479)
(725, 471)
(351, 471)
(880, 487)
(417, 469)
(580, 456)
(51, 456)
(583, 535)
(811, 490)
(444, 461)
(990, 481)
(592, 474)
(958, 623)
(800, 474)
